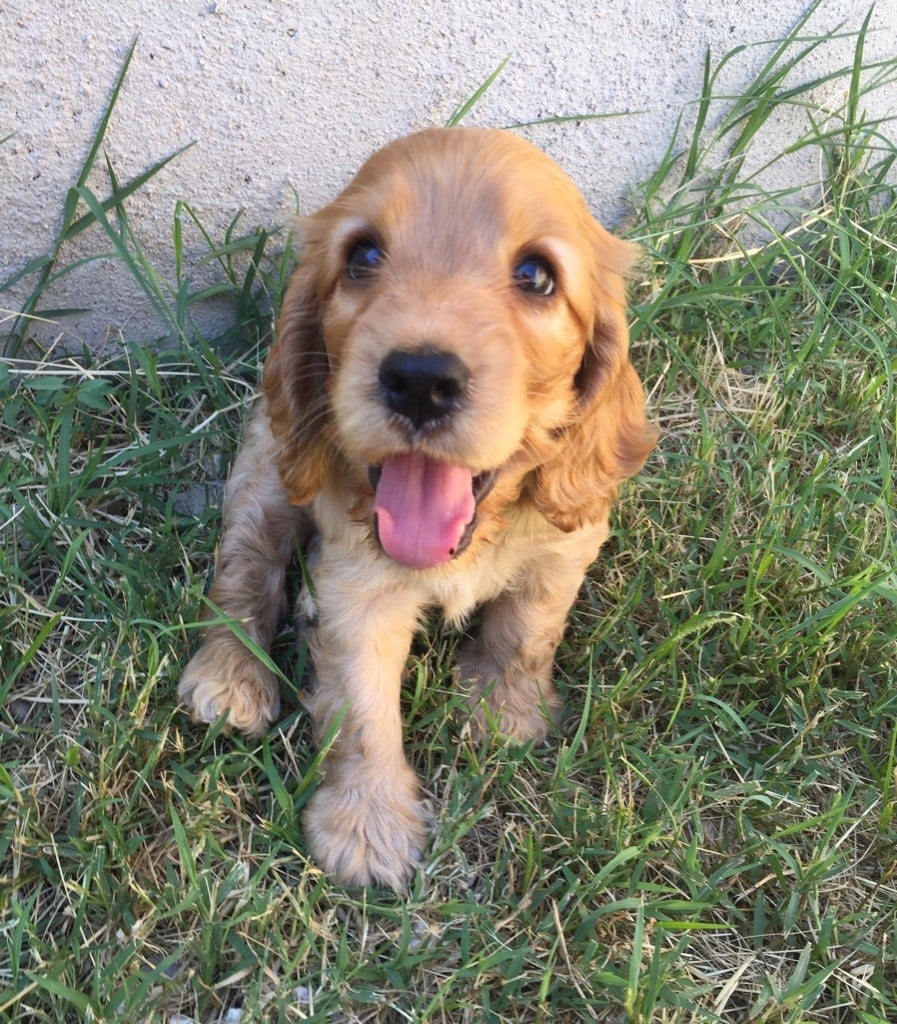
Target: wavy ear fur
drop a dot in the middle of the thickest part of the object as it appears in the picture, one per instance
(295, 382)
(610, 438)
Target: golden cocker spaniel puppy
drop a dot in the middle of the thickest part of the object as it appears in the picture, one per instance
(447, 414)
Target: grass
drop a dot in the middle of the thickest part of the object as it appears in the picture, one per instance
(711, 838)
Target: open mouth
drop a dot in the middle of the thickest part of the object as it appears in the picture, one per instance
(424, 508)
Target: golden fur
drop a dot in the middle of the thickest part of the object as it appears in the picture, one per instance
(548, 403)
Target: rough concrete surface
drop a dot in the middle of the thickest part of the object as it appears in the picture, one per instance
(283, 101)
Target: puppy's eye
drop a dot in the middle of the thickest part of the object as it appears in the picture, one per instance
(364, 258)
(534, 276)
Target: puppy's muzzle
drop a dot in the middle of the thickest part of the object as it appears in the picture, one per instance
(424, 507)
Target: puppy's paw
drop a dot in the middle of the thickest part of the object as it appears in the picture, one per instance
(225, 677)
(510, 702)
(368, 835)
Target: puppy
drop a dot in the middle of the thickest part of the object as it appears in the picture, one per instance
(447, 414)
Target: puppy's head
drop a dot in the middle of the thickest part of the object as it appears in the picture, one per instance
(455, 338)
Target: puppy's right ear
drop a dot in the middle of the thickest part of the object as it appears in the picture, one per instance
(295, 382)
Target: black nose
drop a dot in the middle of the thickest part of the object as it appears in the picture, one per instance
(424, 385)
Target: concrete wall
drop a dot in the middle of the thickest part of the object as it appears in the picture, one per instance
(285, 99)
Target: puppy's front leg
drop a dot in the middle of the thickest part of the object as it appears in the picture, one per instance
(510, 665)
(365, 824)
(261, 531)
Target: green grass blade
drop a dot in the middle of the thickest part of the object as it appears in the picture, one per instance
(463, 109)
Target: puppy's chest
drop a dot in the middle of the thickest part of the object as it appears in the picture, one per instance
(493, 566)
(497, 567)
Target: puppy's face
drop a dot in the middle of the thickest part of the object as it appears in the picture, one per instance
(468, 307)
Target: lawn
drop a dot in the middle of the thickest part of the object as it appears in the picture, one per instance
(709, 837)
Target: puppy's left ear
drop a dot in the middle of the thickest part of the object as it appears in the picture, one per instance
(609, 437)
(295, 381)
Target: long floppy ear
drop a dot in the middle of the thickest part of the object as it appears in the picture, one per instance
(295, 383)
(610, 437)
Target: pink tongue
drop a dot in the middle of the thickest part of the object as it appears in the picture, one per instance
(423, 507)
